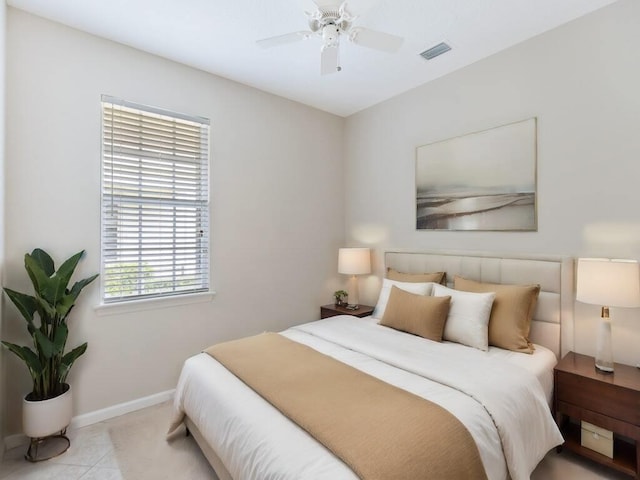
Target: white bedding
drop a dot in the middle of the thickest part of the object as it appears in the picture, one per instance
(540, 363)
(255, 441)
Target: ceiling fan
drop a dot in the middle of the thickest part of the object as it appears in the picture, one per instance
(329, 22)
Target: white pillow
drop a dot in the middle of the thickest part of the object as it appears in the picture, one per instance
(383, 298)
(468, 319)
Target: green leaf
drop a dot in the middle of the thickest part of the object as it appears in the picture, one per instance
(64, 273)
(60, 338)
(46, 310)
(78, 286)
(50, 287)
(45, 346)
(27, 355)
(67, 301)
(68, 360)
(31, 328)
(65, 305)
(26, 304)
(42, 284)
(44, 260)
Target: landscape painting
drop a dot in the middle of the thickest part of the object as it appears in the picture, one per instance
(480, 181)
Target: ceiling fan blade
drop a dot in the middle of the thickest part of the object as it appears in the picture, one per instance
(283, 39)
(327, 3)
(376, 40)
(358, 6)
(329, 60)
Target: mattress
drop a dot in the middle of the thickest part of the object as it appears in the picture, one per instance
(501, 397)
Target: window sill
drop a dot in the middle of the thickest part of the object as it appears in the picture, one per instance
(152, 303)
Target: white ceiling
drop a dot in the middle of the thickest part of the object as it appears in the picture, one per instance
(219, 36)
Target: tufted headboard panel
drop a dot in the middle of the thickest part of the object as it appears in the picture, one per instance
(552, 324)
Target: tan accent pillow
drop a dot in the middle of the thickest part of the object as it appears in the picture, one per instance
(513, 307)
(417, 314)
(435, 277)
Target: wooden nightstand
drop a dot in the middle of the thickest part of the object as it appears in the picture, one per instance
(331, 310)
(609, 401)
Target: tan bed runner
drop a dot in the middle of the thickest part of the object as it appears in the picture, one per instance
(380, 431)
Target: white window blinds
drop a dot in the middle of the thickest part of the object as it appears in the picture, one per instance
(155, 202)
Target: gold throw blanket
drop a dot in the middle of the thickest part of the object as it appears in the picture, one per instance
(380, 431)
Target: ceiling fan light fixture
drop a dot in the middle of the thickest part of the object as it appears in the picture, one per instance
(330, 35)
(435, 51)
(344, 25)
(314, 24)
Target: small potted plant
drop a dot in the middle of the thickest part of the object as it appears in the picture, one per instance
(340, 297)
(47, 408)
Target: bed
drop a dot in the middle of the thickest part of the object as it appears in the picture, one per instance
(502, 397)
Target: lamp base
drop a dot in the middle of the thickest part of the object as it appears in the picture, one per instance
(604, 369)
(353, 293)
(604, 352)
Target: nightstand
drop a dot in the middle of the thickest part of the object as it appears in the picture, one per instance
(609, 401)
(331, 310)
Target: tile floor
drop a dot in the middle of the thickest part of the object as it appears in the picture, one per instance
(96, 453)
(90, 457)
(132, 446)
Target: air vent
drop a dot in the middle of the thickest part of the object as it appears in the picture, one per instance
(433, 52)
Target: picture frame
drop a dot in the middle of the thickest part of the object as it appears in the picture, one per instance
(482, 181)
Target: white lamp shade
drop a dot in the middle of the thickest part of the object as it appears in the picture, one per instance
(608, 283)
(354, 261)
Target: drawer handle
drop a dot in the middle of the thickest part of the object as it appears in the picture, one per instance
(596, 436)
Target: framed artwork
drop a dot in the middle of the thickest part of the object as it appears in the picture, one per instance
(481, 181)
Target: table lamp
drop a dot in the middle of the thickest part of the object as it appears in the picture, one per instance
(608, 283)
(354, 261)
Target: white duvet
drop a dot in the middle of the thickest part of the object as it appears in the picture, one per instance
(502, 404)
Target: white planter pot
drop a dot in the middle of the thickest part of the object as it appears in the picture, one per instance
(47, 417)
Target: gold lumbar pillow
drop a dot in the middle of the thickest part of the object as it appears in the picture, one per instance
(435, 277)
(417, 314)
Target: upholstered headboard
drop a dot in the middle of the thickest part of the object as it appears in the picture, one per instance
(552, 324)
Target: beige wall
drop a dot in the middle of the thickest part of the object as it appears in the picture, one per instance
(582, 83)
(3, 12)
(276, 197)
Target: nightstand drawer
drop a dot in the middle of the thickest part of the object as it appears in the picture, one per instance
(597, 396)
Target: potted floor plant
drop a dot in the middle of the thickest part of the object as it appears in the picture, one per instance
(47, 408)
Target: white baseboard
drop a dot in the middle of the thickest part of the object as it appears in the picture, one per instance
(13, 441)
(120, 409)
(17, 440)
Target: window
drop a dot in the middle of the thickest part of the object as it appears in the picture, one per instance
(155, 202)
